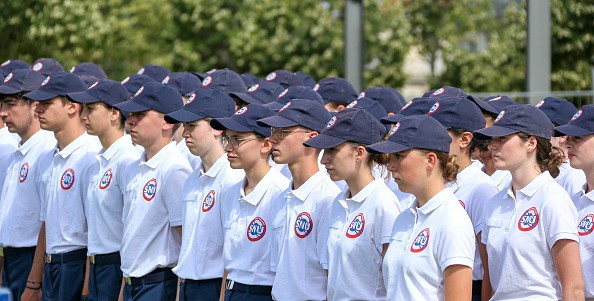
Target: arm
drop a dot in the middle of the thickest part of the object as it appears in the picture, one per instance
(457, 282)
(36, 274)
(223, 287)
(566, 256)
(487, 289)
(384, 250)
(121, 296)
(85, 290)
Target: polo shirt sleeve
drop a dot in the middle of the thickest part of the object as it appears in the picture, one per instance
(456, 242)
(322, 245)
(173, 195)
(482, 194)
(386, 215)
(559, 218)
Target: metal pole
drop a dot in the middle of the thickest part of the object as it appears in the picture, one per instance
(539, 47)
(353, 32)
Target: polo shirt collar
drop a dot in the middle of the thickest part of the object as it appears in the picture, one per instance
(260, 190)
(306, 189)
(589, 195)
(34, 140)
(463, 177)
(435, 202)
(533, 186)
(77, 143)
(214, 170)
(159, 156)
(114, 148)
(365, 192)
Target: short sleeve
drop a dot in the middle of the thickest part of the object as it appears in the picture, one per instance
(388, 210)
(172, 195)
(456, 242)
(482, 194)
(559, 217)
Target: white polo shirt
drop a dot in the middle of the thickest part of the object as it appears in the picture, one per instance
(501, 179)
(519, 233)
(8, 144)
(20, 202)
(104, 196)
(248, 234)
(358, 227)
(584, 203)
(195, 161)
(473, 188)
(570, 179)
(63, 209)
(298, 240)
(152, 207)
(382, 172)
(201, 255)
(425, 241)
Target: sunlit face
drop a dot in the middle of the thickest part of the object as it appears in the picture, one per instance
(97, 118)
(53, 114)
(200, 137)
(408, 169)
(243, 150)
(340, 161)
(580, 151)
(287, 144)
(17, 114)
(146, 127)
(508, 152)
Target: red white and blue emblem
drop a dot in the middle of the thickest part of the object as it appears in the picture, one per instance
(209, 201)
(253, 88)
(67, 179)
(421, 241)
(5, 63)
(361, 95)
(166, 80)
(139, 91)
(586, 225)
(149, 190)
(407, 105)
(141, 71)
(540, 103)
(106, 179)
(496, 98)
(93, 85)
(256, 229)
(47, 79)
(241, 111)
(270, 76)
(8, 77)
(303, 225)
(38, 66)
(356, 227)
(501, 114)
(577, 115)
(23, 172)
(207, 81)
(285, 106)
(438, 92)
(283, 93)
(316, 87)
(395, 129)
(127, 79)
(434, 108)
(192, 97)
(331, 123)
(528, 220)
(352, 104)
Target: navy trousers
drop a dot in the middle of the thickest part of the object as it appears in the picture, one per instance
(105, 281)
(64, 280)
(203, 291)
(16, 266)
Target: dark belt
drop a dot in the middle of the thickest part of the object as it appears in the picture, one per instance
(10, 251)
(477, 287)
(66, 257)
(263, 290)
(203, 281)
(156, 276)
(104, 259)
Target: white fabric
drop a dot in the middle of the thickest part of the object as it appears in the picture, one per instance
(570, 179)
(425, 241)
(195, 161)
(502, 179)
(584, 203)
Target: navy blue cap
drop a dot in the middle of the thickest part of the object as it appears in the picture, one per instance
(245, 120)
(249, 79)
(417, 131)
(13, 64)
(499, 102)
(284, 78)
(307, 80)
(336, 89)
(559, 110)
(371, 106)
(47, 66)
(417, 106)
(58, 84)
(260, 93)
(203, 103)
(153, 96)
(352, 124)
(133, 82)
(107, 91)
(89, 72)
(458, 113)
(483, 105)
(581, 124)
(388, 97)
(294, 92)
(224, 80)
(2, 78)
(518, 118)
(446, 91)
(184, 82)
(21, 80)
(156, 72)
(203, 75)
(304, 112)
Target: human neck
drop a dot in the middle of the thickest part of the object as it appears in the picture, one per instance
(302, 170)
(429, 189)
(110, 137)
(211, 157)
(254, 175)
(157, 146)
(32, 130)
(523, 175)
(358, 181)
(68, 134)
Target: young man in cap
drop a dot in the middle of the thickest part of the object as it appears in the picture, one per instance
(20, 201)
(63, 235)
(152, 199)
(298, 240)
(337, 93)
(200, 266)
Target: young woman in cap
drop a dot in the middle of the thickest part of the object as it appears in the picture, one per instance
(432, 244)
(360, 219)
(580, 149)
(530, 228)
(248, 205)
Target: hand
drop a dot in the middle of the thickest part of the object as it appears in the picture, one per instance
(31, 295)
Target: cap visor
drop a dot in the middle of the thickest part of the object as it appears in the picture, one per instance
(323, 141)
(6, 90)
(247, 98)
(493, 131)
(392, 119)
(485, 106)
(40, 95)
(387, 147)
(276, 121)
(82, 97)
(229, 124)
(275, 106)
(182, 116)
(571, 130)
(131, 106)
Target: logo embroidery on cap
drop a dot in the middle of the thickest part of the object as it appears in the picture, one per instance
(283, 93)
(23, 172)
(496, 98)
(141, 71)
(106, 179)
(37, 66)
(149, 190)
(165, 80)
(331, 122)
(577, 115)
(127, 79)
(462, 203)
(139, 91)
(5, 63)
(501, 114)
(395, 129)
(8, 77)
(285, 106)
(211, 71)
(72, 69)
(421, 241)
(256, 229)
(586, 225)
(540, 103)
(192, 97)
(316, 87)
(47, 79)
(67, 179)
(407, 105)
(93, 85)
(209, 201)
(207, 81)
(438, 92)
(434, 108)
(303, 225)
(270, 76)
(362, 94)
(352, 104)
(528, 220)
(356, 227)
(254, 88)
(241, 111)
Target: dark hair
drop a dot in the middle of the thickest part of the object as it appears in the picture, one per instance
(448, 164)
(548, 157)
(380, 159)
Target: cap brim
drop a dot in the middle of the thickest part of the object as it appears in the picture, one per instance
(277, 122)
(245, 97)
(493, 131)
(275, 106)
(82, 97)
(323, 141)
(131, 106)
(571, 130)
(7, 90)
(387, 147)
(39, 95)
(485, 106)
(392, 119)
(182, 116)
(229, 124)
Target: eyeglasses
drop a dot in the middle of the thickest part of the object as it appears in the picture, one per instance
(235, 142)
(282, 134)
